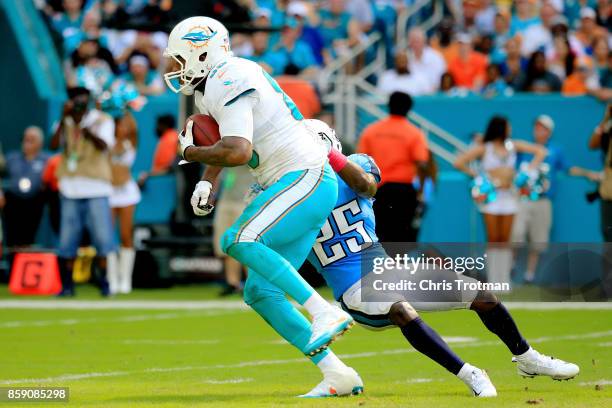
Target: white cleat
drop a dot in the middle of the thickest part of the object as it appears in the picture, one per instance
(337, 383)
(478, 381)
(327, 327)
(532, 363)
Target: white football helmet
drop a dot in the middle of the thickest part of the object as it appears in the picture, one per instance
(197, 44)
(323, 134)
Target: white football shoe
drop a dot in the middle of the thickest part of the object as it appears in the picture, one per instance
(337, 383)
(327, 327)
(478, 381)
(531, 363)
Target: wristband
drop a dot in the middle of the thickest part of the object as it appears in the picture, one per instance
(337, 160)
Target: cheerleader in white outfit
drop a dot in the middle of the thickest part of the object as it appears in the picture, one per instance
(497, 156)
(123, 203)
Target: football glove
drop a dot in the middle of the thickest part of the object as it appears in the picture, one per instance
(199, 199)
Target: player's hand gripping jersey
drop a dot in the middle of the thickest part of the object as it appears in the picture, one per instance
(281, 143)
(337, 253)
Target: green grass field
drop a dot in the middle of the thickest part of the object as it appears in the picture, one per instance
(185, 358)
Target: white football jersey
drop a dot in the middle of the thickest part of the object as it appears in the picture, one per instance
(281, 141)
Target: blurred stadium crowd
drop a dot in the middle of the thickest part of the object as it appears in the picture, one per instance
(480, 46)
(111, 51)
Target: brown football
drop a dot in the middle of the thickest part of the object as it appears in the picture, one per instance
(205, 130)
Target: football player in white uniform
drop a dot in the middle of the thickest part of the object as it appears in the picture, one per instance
(260, 126)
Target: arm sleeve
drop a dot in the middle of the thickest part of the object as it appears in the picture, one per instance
(236, 119)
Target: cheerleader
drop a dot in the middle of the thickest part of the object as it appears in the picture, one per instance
(119, 102)
(497, 155)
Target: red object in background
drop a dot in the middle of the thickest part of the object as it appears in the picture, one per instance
(205, 130)
(35, 274)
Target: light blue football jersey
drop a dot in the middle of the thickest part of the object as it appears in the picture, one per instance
(337, 252)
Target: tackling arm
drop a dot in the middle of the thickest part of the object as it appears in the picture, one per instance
(356, 177)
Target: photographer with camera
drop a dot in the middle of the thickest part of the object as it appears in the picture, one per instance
(85, 137)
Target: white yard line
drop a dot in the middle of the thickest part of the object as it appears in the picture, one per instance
(598, 382)
(122, 319)
(169, 342)
(414, 381)
(256, 363)
(229, 381)
(111, 304)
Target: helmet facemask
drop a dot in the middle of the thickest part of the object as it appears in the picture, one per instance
(188, 78)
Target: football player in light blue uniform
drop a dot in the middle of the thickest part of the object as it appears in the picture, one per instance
(261, 127)
(348, 241)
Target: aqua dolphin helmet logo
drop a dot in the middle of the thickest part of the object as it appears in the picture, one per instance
(199, 36)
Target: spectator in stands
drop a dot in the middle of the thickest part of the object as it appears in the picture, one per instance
(495, 85)
(444, 40)
(85, 136)
(272, 62)
(447, 84)
(309, 34)
(604, 14)
(513, 66)
(23, 191)
(142, 44)
(525, 16)
(485, 17)
(582, 80)
(533, 221)
(231, 204)
(588, 30)
(605, 81)
(90, 30)
(301, 92)
(362, 13)
(400, 150)
(501, 36)
(401, 79)
(601, 51)
(91, 67)
(294, 51)
(70, 19)
(166, 151)
(538, 78)
(140, 75)
(539, 36)
(562, 61)
(339, 30)
(572, 9)
(424, 61)
(469, 67)
(470, 10)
